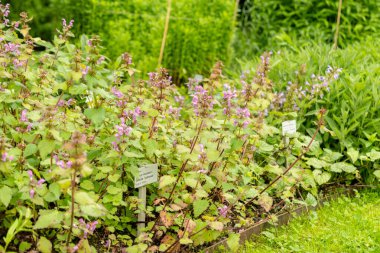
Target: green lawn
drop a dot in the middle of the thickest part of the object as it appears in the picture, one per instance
(343, 225)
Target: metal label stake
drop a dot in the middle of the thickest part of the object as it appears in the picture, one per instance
(288, 127)
(147, 174)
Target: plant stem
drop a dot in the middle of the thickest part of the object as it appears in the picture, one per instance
(72, 208)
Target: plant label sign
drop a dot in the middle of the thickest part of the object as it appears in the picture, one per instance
(289, 127)
(147, 174)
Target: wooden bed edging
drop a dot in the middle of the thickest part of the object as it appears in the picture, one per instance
(282, 219)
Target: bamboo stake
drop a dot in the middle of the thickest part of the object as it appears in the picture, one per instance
(165, 33)
(235, 12)
(337, 25)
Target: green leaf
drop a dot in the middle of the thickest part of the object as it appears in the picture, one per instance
(377, 174)
(216, 225)
(94, 210)
(132, 154)
(373, 155)
(96, 115)
(114, 178)
(265, 202)
(233, 241)
(343, 166)
(316, 163)
(87, 185)
(54, 193)
(185, 240)
(113, 190)
(30, 149)
(49, 219)
(6, 195)
(166, 180)
(83, 198)
(353, 154)
(200, 205)
(331, 156)
(311, 200)
(46, 147)
(44, 245)
(150, 146)
(192, 182)
(24, 246)
(321, 177)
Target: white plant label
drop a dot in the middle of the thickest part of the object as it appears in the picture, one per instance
(147, 174)
(289, 127)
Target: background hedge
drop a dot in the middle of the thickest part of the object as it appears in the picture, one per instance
(200, 32)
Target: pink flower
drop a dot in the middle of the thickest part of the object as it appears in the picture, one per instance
(30, 173)
(100, 60)
(223, 210)
(117, 93)
(243, 113)
(85, 71)
(31, 193)
(75, 248)
(41, 181)
(115, 146)
(24, 117)
(4, 156)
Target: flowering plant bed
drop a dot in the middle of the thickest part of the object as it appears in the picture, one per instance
(76, 128)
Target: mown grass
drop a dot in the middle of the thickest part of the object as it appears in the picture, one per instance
(343, 225)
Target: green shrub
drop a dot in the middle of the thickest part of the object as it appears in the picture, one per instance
(353, 102)
(267, 24)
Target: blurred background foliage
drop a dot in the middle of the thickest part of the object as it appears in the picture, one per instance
(202, 32)
(271, 24)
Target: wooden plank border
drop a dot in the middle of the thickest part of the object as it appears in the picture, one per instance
(282, 219)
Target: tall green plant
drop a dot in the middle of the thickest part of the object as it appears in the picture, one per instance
(200, 32)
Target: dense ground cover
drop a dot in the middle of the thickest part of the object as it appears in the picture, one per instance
(342, 225)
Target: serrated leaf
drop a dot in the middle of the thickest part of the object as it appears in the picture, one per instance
(316, 163)
(96, 115)
(166, 180)
(5, 195)
(321, 177)
(46, 147)
(44, 245)
(377, 174)
(373, 155)
(342, 166)
(83, 198)
(265, 202)
(353, 154)
(233, 241)
(185, 240)
(49, 219)
(192, 182)
(30, 149)
(199, 206)
(311, 200)
(216, 225)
